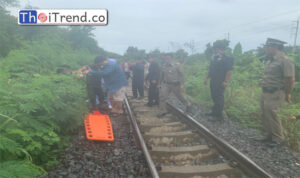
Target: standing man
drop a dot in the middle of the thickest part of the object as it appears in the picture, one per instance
(277, 85)
(115, 81)
(172, 81)
(153, 78)
(219, 73)
(138, 78)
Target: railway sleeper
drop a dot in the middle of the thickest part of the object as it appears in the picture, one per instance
(147, 126)
(152, 120)
(191, 157)
(216, 170)
(170, 139)
(166, 129)
(138, 108)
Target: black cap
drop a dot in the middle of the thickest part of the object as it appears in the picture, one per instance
(99, 59)
(271, 42)
(150, 56)
(220, 44)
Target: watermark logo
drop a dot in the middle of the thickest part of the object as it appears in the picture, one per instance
(63, 17)
(27, 17)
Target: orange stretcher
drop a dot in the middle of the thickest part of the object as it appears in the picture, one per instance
(98, 127)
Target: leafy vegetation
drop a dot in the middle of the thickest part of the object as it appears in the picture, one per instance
(39, 109)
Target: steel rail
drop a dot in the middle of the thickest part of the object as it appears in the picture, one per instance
(141, 140)
(245, 163)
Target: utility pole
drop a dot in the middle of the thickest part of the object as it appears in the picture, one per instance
(227, 35)
(296, 34)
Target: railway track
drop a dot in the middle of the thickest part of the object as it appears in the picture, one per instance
(178, 146)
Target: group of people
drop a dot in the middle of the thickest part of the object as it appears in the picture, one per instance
(139, 69)
(162, 81)
(105, 73)
(277, 85)
(167, 79)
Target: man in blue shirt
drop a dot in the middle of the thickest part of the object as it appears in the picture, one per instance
(115, 81)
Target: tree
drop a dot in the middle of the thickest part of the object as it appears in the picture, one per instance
(180, 55)
(82, 37)
(133, 53)
(208, 51)
(7, 3)
(9, 33)
(191, 46)
(157, 55)
(237, 51)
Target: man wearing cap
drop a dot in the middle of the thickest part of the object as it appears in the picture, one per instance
(277, 85)
(171, 81)
(219, 73)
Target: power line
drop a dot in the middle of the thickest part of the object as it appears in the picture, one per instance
(251, 23)
(265, 19)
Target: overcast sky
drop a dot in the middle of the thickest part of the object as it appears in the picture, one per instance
(168, 24)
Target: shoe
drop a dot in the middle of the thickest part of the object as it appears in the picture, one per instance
(149, 104)
(209, 114)
(161, 115)
(273, 144)
(141, 97)
(155, 104)
(216, 119)
(262, 139)
(133, 97)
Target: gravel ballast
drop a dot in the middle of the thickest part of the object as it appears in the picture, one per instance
(85, 158)
(279, 161)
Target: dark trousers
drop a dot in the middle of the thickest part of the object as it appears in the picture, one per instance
(138, 88)
(93, 92)
(153, 94)
(217, 95)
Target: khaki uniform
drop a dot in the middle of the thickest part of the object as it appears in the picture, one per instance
(273, 95)
(171, 79)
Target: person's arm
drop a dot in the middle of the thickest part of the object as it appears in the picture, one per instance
(227, 78)
(109, 68)
(289, 85)
(161, 77)
(207, 75)
(289, 74)
(229, 68)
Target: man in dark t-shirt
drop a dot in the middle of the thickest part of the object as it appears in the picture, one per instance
(220, 71)
(138, 78)
(94, 88)
(153, 77)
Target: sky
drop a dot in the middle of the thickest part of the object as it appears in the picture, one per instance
(168, 24)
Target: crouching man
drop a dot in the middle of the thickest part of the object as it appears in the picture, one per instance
(115, 81)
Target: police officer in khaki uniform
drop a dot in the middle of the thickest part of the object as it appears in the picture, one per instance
(277, 84)
(172, 81)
